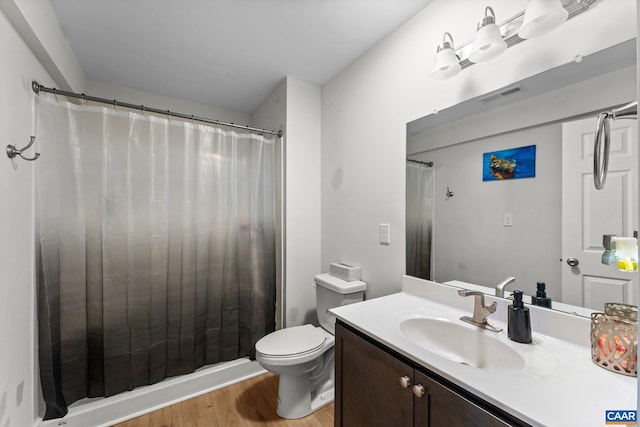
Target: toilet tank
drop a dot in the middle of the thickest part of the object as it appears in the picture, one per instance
(332, 292)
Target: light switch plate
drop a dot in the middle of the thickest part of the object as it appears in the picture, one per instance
(385, 234)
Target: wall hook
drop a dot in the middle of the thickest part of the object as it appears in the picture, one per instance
(449, 194)
(12, 151)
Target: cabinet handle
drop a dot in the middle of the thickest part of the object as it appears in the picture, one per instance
(418, 390)
(405, 381)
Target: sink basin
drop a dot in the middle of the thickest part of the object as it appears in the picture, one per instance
(462, 344)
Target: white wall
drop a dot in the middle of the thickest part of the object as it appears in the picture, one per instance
(139, 97)
(18, 379)
(302, 198)
(469, 240)
(37, 24)
(366, 107)
(295, 106)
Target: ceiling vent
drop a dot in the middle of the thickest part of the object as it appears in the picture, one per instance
(502, 94)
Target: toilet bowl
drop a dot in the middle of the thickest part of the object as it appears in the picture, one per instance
(305, 366)
(303, 356)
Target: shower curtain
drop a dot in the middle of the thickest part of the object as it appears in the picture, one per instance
(419, 219)
(156, 248)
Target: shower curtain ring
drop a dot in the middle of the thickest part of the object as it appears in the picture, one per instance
(12, 151)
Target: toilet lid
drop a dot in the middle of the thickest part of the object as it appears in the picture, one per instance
(289, 341)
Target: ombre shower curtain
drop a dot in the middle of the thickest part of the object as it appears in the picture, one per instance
(156, 248)
(419, 219)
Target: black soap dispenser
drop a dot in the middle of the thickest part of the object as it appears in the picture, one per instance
(541, 298)
(519, 322)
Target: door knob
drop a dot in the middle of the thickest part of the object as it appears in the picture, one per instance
(418, 390)
(573, 261)
(405, 381)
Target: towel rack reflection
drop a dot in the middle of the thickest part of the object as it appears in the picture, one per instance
(602, 138)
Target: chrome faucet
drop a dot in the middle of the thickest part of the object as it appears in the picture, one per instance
(500, 286)
(480, 311)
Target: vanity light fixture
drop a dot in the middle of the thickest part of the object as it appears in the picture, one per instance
(488, 42)
(542, 17)
(446, 64)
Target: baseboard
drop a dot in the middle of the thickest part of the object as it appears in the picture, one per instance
(105, 412)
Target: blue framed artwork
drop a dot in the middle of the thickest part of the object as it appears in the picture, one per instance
(513, 163)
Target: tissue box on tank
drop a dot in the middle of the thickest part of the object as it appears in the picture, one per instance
(346, 272)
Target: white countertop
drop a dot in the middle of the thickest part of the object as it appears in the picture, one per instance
(559, 384)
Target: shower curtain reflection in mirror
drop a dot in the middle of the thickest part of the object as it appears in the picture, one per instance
(156, 248)
(419, 218)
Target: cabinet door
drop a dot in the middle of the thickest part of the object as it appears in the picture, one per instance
(368, 392)
(442, 407)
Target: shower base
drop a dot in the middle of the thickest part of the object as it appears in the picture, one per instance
(112, 410)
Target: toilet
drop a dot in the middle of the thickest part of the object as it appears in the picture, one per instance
(303, 356)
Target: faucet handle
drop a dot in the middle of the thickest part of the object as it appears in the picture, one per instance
(492, 307)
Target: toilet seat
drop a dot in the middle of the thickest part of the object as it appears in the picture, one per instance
(294, 341)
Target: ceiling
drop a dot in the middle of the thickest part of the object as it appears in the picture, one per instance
(228, 53)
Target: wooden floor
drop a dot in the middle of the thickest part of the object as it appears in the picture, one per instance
(248, 403)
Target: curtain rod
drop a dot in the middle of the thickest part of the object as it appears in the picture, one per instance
(430, 164)
(37, 88)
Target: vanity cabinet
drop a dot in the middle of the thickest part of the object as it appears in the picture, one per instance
(377, 387)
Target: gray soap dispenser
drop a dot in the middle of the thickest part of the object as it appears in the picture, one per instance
(541, 299)
(519, 322)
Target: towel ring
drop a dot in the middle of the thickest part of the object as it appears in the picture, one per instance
(600, 159)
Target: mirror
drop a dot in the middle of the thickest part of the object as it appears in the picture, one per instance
(464, 227)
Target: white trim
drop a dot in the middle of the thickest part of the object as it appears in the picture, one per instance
(121, 407)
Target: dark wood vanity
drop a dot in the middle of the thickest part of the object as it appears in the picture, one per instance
(376, 386)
